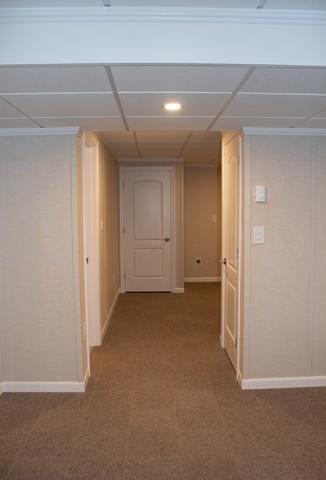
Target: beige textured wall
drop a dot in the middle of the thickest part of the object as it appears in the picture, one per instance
(285, 328)
(109, 234)
(179, 220)
(202, 237)
(39, 282)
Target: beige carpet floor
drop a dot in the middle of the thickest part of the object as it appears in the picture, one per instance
(163, 404)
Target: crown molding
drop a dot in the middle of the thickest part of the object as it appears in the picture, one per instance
(284, 131)
(11, 132)
(162, 14)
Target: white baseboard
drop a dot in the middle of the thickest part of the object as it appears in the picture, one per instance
(43, 387)
(179, 290)
(108, 318)
(282, 382)
(202, 279)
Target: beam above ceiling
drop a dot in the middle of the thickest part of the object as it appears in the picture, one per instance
(162, 36)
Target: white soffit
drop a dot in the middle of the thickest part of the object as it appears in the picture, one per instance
(287, 80)
(17, 123)
(296, 4)
(236, 123)
(53, 79)
(99, 124)
(140, 104)
(177, 78)
(7, 111)
(61, 105)
(268, 105)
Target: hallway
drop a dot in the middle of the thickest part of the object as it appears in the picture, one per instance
(163, 404)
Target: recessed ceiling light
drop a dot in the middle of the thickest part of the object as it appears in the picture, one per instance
(172, 106)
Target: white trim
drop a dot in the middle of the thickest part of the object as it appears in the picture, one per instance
(108, 318)
(163, 14)
(282, 382)
(179, 290)
(284, 131)
(202, 279)
(10, 132)
(171, 169)
(45, 387)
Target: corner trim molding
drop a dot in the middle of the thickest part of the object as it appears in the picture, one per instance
(282, 382)
(108, 318)
(45, 387)
(179, 290)
(202, 279)
(284, 131)
(162, 14)
(9, 132)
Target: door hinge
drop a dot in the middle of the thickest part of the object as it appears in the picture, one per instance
(87, 260)
(236, 343)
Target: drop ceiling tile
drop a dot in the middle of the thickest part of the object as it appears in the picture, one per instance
(119, 138)
(169, 123)
(65, 105)
(7, 111)
(162, 137)
(287, 80)
(17, 123)
(251, 105)
(313, 123)
(235, 123)
(297, 4)
(53, 79)
(140, 104)
(204, 140)
(97, 124)
(177, 78)
(148, 152)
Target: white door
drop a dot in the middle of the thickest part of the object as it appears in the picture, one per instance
(147, 230)
(230, 248)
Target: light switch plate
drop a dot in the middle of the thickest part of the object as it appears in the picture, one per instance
(259, 235)
(261, 194)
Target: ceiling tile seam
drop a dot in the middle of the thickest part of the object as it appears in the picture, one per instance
(21, 112)
(261, 4)
(236, 90)
(309, 117)
(116, 96)
(137, 144)
(185, 144)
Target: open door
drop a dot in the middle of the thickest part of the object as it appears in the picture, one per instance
(230, 243)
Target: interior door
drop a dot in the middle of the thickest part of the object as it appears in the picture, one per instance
(147, 230)
(230, 247)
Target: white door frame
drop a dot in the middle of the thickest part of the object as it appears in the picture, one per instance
(92, 240)
(122, 171)
(240, 253)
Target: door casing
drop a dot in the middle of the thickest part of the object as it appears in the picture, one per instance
(122, 171)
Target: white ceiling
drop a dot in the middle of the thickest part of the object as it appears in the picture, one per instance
(280, 4)
(116, 98)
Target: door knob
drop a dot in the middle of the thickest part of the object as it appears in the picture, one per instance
(166, 239)
(224, 261)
